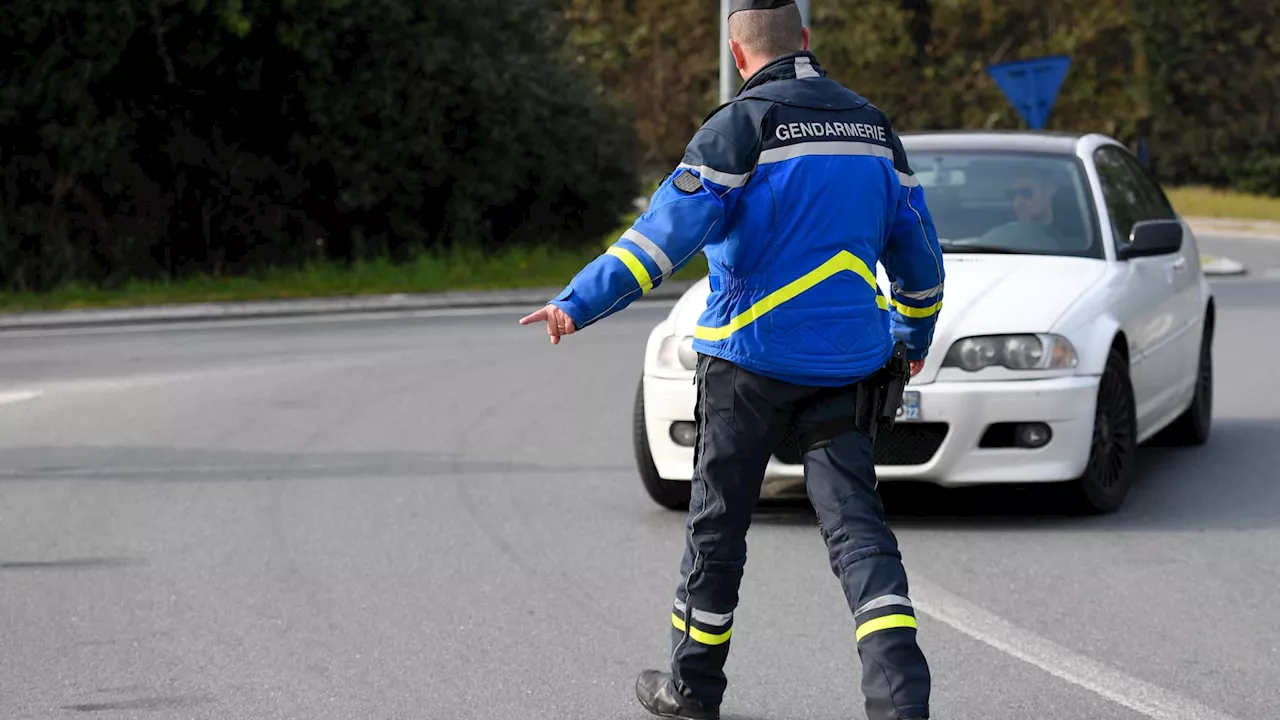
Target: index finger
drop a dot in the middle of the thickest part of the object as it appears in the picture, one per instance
(542, 314)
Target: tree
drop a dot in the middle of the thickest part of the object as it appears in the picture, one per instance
(163, 137)
(1195, 77)
(659, 59)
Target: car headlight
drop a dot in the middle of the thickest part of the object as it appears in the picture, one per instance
(677, 352)
(1016, 352)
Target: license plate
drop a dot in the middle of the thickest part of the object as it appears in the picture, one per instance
(910, 408)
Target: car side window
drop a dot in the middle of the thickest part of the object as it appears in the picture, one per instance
(1130, 193)
(1157, 204)
(1124, 201)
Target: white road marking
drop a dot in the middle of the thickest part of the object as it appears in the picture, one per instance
(121, 382)
(13, 396)
(1062, 663)
(111, 383)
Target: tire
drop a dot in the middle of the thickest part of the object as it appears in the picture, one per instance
(670, 494)
(1192, 427)
(1109, 473)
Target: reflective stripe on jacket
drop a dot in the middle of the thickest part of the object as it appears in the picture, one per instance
(794, 190)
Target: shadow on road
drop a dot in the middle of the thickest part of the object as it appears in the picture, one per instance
(1230, 483)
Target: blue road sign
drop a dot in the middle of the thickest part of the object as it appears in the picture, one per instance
(1032, 85)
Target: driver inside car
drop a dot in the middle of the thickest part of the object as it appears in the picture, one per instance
(1032, 195)
(1036, 227)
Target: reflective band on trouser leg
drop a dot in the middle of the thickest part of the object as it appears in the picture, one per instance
(841, 262)
(887, 612)
(885, 622)
(707, 628)
(634, 265)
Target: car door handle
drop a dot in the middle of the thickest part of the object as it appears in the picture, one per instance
(1180, 265)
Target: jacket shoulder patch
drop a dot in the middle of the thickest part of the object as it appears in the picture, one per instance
(687, 182)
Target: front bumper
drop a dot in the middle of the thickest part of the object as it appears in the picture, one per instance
(962, 435)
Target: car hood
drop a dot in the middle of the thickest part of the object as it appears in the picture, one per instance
(985, 294)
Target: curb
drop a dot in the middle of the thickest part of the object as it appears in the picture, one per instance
(1232, 227)
(1214, 227)
(263, 309)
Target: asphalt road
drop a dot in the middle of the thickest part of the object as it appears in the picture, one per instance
(438, 516)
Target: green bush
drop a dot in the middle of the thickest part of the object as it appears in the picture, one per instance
(164, 138)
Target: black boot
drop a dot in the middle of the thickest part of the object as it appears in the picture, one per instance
(658, 695)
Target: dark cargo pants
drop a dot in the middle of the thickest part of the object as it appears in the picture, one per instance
(740, 418)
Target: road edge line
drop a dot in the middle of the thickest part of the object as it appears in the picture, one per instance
(1137, 695)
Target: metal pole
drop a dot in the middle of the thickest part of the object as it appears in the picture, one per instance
(729, 78)
(727, 68)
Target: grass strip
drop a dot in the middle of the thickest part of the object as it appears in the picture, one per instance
(1208, 202)
(457, 270)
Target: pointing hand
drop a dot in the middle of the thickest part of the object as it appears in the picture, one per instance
(558, 322)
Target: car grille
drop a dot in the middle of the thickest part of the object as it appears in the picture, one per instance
(906, 444)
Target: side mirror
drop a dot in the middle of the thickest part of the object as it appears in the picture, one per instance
(1152, 237)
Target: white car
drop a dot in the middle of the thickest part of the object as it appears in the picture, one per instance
(1076, 324)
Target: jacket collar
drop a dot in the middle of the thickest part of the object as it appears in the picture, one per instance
(792, 66)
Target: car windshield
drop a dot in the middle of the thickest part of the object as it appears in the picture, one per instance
(1007, 203)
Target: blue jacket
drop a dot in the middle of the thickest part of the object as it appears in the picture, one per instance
(794, 190)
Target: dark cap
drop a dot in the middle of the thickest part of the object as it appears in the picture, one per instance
(739, 5)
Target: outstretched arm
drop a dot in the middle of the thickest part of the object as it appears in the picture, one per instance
(688, 211)
(913, 261)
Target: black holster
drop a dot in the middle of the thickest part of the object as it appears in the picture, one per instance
(880, 394)
(877, 399)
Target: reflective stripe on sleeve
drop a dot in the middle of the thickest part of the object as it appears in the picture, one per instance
(729, 180)
(634, 265)
(907, 180)
(915, 312)
(655, 253)
(934, 291)
(840, 262)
